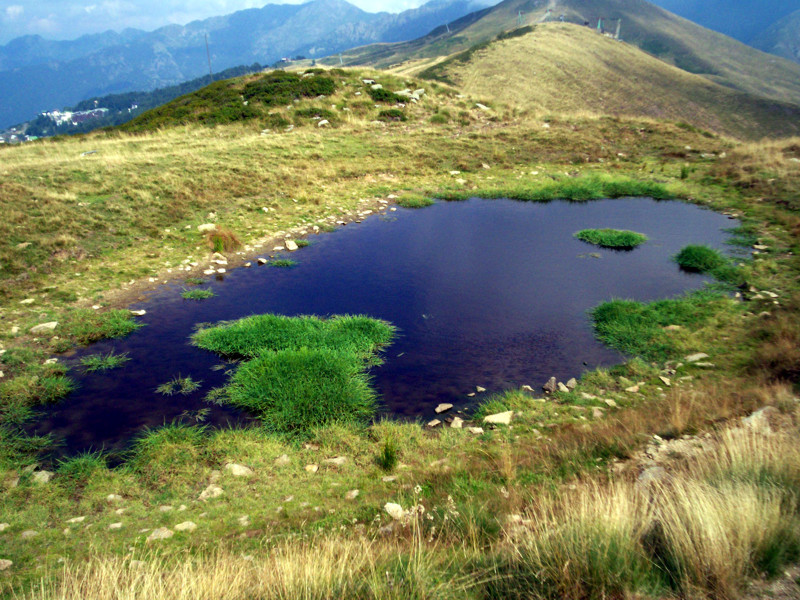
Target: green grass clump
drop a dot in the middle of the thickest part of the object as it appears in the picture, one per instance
(179, 385)
(388, 456)
(195, 281)
(284, 263)
(618, 239)
(637, 329)
(304, 372)
(84, 326)
(302, 243)
(392, 115)
(294, 391)
(197, 294)
(701, 259)
(103, 362)
(414, 201)
(384, 95)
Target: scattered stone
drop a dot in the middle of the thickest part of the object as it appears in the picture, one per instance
(634, 389)
(481, 106)
(433, 423)
(551, 385)
(692, 358)
(609, 402)
(77, 520)
(759, 420)
(572, 383)
(244, 520)
(212, 491)
(443, 408)
(165, 508)
(248, 264)
(4, 526)
(394, 510)
(291, 245)
(457, 423)
(673, 328)
(563, 388)
(262, 261)
(283, 460)
(503, 418)
(206, 227)
(5, 564)
(389, 479)
(162, 533)
(597, 412)
(115, 526)
(352, 494)
(323, 123)
(665, 380)
(181, 508)
(186, 526)
(651, 475)
(338, 461)
(527, 388)
(44, 327)
(705, 365)
(42, 477)
(480, 389)
(113, 498)
(312, 468)
(28, 534)
(27, 301)
(238, 470)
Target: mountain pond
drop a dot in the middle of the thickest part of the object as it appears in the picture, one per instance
(490, 293)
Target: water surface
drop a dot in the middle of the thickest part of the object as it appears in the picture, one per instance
(490, 293)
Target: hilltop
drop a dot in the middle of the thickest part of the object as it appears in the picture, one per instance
(560, 68)
(670, 38)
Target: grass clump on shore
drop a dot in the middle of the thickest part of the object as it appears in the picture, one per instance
(414, 201)
(618, 239)
(197, 294)
(283, 263)
(700, 259)
(304, 372)
(103, 362)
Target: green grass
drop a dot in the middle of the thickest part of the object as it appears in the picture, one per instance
(388, 456)
(195, 281)
(700, 259)
(179, 385)
(618, 239)
(283, 263)
(303, 372)
(359, 335)
(638, 329)
(84, 326)
(103, 362)
(197, 294)
(295, 391)
(414, 201)
(302, 243)
(392, 115)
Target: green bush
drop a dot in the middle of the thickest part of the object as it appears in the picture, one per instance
(384, 95)
(392, 114)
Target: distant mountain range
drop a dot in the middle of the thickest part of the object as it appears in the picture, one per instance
(782, 38)
(37, 75)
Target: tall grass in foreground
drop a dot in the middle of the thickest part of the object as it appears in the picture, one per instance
(711, 522)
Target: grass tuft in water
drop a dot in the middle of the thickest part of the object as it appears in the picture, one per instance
(617, 239)
(179, 385)
(197, 294)
(284, 263)
(702, 259)
(103, 362)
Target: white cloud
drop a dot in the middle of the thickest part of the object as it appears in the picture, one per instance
(15, 11)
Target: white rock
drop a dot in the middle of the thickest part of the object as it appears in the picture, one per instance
(443, 408)
(138, 313)
(291, 245)
(42, 477)
(634, 389)
(572, 383)
(44, 327)
(695, 357)
(503, 418)
(244, 520)
(610, 402)
(162, 533)
(115, 526)
(206, 227)
(563, 388)
(527, 388)
(283, 460)
(475, 430)
(5, 564)
(394, 510)
(323, 123)
(665, 380)
(27, 301)
(30, 533)
(165, 508)
(77, 520)
(433, 423)
(212, 491)
(113, 498)
(312, 468)
(480, 389)
(481, 106)
(352, 495)
(457, 423)
(338, 461)
(238, 470)
(186, 526)
(4, 526)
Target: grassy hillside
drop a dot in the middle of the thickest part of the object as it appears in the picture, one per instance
(560, 68)
(660, 33)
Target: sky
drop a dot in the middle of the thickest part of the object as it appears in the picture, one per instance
(69, 19)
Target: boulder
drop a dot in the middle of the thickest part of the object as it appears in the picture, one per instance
(44, 328)
(443, 408)
(291, 245)
(41, 477)
(551, 385)
(572, 383)
(475, 430)
(503, 418)
(457, 423)
(563, 388)
(162, 533)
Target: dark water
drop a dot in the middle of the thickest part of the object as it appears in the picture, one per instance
(491, 293)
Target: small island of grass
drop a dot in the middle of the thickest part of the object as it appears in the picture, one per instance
(617, 239)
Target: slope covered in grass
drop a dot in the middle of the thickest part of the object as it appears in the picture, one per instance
(562, 68)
